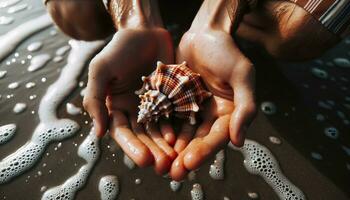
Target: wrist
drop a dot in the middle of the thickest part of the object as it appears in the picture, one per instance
(134, 13)
(222, 15)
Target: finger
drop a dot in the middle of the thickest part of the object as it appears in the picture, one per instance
(131, 145)
(162, 161)
(160, 141)
(245, 108)
(178, 170)
(200, 149)
(184, 137)
(204, 128)
(168, 132)
(95, 98)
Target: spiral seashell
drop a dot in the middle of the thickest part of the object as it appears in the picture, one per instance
(171, 89)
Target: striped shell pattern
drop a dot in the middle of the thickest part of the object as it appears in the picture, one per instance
(171, 90)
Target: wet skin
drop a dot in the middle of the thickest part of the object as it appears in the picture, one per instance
(209, 49)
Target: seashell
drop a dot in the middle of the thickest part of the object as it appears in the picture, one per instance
(171, 90)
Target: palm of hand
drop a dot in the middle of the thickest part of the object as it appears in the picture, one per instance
(131, 54)
(228, 74)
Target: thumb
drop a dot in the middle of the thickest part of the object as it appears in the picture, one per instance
(95, 98)
(245, 108)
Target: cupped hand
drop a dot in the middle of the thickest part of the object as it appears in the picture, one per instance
(114, 75)
(229, 75)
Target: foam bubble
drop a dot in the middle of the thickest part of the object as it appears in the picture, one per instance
(17, 8)
(316, 156)
(7, 132)
(275, 140)
(325, 105)
(50, 128)
(83, 92)
(253, 195)
(13, 85)
(38, 62)
(260, 161)
(175, 185)
(269, 108)
(10, 40)
(109, 187)
(128, 162)
(342, 62)
(197, 192)
(319, 73)
(62, 50)
(331, 132)
(19, 107)
(4, 20)
(7, 3)
(88, 150)
(3, 74)
(72, 109)
(346, 149)
(216, 170)
(30, 85)
(35, 46)
(57, 59)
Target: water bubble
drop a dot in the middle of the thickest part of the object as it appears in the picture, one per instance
(269, 108)
(331, 132)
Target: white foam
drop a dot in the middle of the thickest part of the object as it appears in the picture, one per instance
(19, 107)
(346, 150)
(138, 181)
(34, 46)
(83, 92)
(7, 3)
(109, 187)
(10, 40)
(13, 85)
(175, 185)
(260, 161)
(30, 85)
(62, 50)
(17, 8)
(88, 150)
(275, 140)
(331, 132)
(197, 192)
(7, 132)
(72, 109)
(4, 20)
(316, 156)
(269, 108)
(319, 73)
(216, 170)
(342, 62)
(57, 59)
(3, 74)
(50, 128)
(128, 162)
(38, 62)
(253, 195)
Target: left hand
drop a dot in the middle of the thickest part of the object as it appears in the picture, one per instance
(229, 75)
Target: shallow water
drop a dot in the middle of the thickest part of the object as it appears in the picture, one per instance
(288, 125)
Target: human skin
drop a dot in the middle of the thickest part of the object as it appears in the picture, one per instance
(208, 47)
(210, 50)
(115, 74)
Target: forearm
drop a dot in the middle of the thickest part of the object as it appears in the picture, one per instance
(81, 19)
(134, 13)
(220, 14)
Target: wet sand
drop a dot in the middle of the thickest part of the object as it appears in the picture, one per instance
(294, 124)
